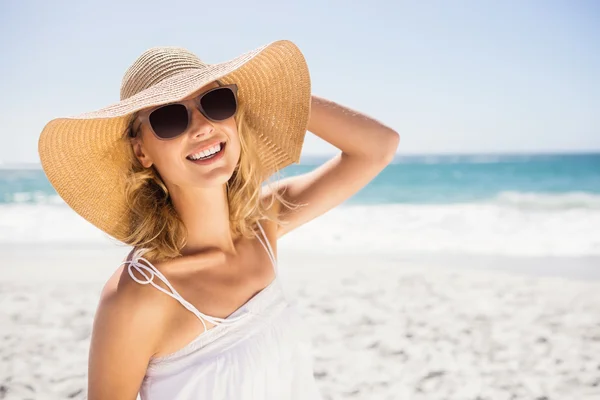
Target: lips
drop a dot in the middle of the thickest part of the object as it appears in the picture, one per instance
(212, 159)
(203, 147)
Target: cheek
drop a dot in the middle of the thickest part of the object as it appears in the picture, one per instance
(165, 162)
(234, 150)
(167, 159)
(234, 145)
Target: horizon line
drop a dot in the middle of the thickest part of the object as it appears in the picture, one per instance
(31, 164)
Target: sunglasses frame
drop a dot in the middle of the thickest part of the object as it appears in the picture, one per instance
(195, 102)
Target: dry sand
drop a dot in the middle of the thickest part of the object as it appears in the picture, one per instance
(384, 327)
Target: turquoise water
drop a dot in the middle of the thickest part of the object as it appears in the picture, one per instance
(412, 180)
(452, 179)
(522, 205)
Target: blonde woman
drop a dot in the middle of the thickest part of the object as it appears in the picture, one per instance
(175, 170)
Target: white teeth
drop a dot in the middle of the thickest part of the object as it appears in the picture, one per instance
(206, 153)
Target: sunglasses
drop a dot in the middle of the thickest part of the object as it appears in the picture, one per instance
(169, 121)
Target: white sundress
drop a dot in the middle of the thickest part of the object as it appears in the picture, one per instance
(261, 351)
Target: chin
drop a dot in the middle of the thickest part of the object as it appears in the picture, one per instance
(214, 178)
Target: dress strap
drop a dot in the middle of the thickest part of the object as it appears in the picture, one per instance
(268, 248)
(136, 263)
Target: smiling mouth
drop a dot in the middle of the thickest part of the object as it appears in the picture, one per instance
(222, 148)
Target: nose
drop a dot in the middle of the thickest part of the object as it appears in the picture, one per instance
(199, 124)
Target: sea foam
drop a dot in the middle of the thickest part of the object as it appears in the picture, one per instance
(512, 223)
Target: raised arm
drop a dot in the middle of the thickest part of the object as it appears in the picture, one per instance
(367, 147)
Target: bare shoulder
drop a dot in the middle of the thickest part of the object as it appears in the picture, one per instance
(141, 305)
(126, 331)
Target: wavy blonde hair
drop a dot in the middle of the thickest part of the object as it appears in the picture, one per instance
(154, 223)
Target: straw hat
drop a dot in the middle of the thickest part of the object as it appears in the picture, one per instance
(85, 158)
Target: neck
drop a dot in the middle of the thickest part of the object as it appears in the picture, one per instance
(205, 214)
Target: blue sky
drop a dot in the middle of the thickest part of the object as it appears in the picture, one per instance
(449, 76)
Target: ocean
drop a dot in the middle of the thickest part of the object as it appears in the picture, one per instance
(520, 205)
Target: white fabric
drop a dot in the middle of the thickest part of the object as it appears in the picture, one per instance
(261, 351)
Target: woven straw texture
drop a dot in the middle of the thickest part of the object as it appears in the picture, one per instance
(85, 159)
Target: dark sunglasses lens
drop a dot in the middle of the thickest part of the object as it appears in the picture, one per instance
(219, 104)
(169, 121)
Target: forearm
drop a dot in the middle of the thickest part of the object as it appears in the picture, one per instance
(350, 131)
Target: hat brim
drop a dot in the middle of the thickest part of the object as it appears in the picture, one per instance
(85, 158)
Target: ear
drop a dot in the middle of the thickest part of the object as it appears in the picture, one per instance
(138, 150)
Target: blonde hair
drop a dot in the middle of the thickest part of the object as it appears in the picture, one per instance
(154, 223)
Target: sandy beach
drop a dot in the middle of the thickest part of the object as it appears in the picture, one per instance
(466, 268)
(384, 326)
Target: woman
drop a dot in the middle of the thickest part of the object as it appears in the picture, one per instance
(175, 170)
